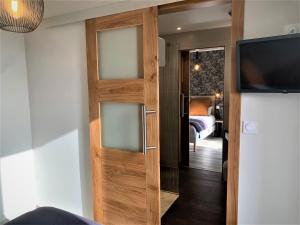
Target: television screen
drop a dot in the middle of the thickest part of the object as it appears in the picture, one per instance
(269, 64)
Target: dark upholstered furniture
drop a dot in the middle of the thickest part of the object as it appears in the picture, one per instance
(50, 216)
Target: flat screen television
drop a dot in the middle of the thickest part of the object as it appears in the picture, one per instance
(269, 64)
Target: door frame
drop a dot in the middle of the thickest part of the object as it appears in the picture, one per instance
(237, 31)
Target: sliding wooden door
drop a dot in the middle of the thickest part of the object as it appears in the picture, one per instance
(124, 117)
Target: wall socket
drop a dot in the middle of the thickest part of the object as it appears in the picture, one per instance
(291, 28)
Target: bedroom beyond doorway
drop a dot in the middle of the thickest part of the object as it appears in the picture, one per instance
(206, 108)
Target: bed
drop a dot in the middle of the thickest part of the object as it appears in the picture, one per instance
(202, 120)
(201, 127)
(50, 216)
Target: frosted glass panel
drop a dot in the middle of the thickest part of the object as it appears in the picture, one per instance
(121, 126)
(120, 53)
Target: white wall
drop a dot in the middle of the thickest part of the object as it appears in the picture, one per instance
(269, 161)
(16, 171)
(59, 114)
(1, 201)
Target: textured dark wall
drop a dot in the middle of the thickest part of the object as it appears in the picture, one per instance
(210, 78)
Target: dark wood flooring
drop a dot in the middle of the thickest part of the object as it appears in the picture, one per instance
(206, 157)
(202, 199)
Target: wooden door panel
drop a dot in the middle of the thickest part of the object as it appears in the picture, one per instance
(124, 187)
(120, 90)
(126, 184)
(150, 36)
(127, 19)
(118, 213)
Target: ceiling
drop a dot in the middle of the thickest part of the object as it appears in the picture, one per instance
(197, 19)
(61, 7)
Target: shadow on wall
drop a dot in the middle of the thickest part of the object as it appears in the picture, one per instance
(17, 174)
(15, 113)
(59, 116)
(54, 123)
(52, 120)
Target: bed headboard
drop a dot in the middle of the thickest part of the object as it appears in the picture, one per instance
(199, 105)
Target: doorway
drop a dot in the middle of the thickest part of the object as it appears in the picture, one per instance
(186, 169)
(204, 119)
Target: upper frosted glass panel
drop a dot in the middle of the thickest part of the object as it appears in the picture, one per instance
(120, 53)
(121, 126)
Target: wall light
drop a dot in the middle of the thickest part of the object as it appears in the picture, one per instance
(178, 28)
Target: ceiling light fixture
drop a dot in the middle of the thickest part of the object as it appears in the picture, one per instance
(21, 16)
(178, 28)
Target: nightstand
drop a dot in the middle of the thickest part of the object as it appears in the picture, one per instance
(219, 128)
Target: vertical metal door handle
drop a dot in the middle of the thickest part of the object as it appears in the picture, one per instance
(182, 105)
(145, 112)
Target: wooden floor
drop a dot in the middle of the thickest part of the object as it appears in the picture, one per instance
(201, 200)
(166, 201)
(208, 155)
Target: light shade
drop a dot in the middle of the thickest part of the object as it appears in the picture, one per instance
(21, 16)
(197, 67)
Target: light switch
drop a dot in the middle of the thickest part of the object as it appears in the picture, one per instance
(249, 127)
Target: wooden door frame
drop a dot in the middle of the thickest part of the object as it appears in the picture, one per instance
(237, 30)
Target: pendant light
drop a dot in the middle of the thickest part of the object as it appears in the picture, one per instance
(21, 16)
(197, 66)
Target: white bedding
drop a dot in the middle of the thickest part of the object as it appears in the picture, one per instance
(209, 122)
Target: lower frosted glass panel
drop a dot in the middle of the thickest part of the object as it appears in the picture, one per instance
(121, 125)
